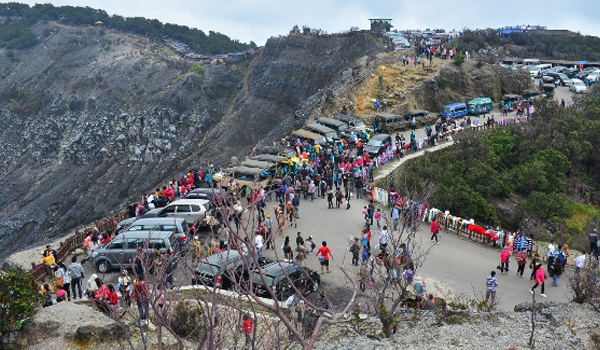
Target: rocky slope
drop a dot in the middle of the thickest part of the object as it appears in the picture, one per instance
(90, 118)
(558, 326)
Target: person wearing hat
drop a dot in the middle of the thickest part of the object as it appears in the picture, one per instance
(540, 277)
(594, 243)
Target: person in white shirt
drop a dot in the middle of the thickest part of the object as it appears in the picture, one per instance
(258, 240)
(383, 238)
(551, 248)
(579, 263)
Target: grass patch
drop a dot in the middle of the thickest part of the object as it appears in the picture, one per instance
(582, 214)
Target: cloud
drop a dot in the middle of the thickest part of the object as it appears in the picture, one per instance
(257, 20)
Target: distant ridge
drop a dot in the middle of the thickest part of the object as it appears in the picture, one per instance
(16, 32)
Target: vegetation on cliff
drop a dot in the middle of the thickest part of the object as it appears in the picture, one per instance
(20, 17)
(547, 169)
(564, 47)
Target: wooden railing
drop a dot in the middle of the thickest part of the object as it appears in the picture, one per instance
(77, 238)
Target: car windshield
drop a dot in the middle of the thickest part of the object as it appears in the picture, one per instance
(447, 109)
(268, 278)
(210, 269)
(375, 143)
(578, 83)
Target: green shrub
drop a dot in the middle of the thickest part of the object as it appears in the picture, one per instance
(19, 296)
(187, 321)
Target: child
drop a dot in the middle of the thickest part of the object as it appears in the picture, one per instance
(365, 213)
(378, 218)
(365, 255)
(61, 294)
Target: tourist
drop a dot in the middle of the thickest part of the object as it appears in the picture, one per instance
(75, 271)
(491, 283)
(141, 293)
(521, 262)
(504, 260)
(435, 228)
(324, 253)
(540, 275)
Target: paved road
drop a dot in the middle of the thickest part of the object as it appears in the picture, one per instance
(459, 264)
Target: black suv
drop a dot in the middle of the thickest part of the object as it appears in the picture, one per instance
(378, 144)
(276, 277)
(223, 269)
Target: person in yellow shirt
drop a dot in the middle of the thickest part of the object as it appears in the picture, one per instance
(49, 263)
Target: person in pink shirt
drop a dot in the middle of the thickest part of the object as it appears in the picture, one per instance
(540, 277)
(504, 259)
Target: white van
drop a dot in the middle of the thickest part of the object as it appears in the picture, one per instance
(535, 70)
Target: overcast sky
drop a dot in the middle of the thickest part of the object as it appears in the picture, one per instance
(257, 20)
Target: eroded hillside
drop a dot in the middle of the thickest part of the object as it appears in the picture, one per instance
(90, 118)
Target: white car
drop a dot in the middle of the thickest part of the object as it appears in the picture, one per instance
(594, 77)
(577, 86)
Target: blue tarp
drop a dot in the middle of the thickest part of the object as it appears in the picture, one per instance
(582, 62)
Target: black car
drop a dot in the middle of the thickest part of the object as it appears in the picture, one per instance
(207, 193)
(378, 144)
(281, 276)
(217, 270)
(224, 269)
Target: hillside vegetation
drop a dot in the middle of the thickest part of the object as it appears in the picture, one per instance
(16, 32)
(543, 175)
(568, 47)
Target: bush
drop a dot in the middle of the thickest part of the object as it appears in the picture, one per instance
(187, 321)
(19, 296)
(585, 287)
(459, 59)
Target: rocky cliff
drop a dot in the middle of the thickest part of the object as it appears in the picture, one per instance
(467, 81)
(90, 118)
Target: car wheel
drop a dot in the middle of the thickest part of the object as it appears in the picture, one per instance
(103, 266)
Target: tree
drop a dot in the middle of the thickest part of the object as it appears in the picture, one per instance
(388, 275)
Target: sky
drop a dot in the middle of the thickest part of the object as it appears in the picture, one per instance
(257, 20)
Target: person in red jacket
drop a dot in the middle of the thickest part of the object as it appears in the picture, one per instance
(540, 276)
(504, 258)
(248, 326)
(435, 228)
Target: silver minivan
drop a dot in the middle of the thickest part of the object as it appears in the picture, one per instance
(177, 225)
(121, 251)
(191, 210)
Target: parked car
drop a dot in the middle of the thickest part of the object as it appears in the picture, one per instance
(192, 210)
(388, 122)
(377, 144)
(548, 90)
(339, 126)
(224, 269)
(454, 110)
(206, 193)
(121, 251)
(577, 86)
(417, 113)
(355, 124)
(177, 225)
(279, 278)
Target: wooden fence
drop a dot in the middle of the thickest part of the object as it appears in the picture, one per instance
(77, 238)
